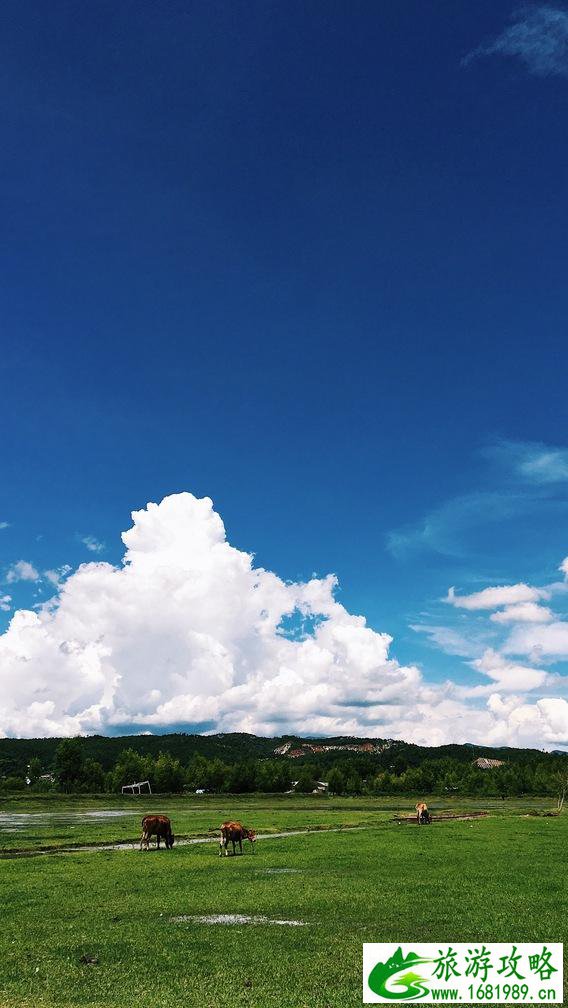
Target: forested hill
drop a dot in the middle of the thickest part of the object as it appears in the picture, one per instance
(382, 754)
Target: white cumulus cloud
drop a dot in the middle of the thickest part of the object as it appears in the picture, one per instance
(509, 676)
(493, 598)
(543, 641)
(188, 632)
(523, 612)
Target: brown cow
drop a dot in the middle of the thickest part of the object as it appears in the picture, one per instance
(158, 826)
(422, 814)
(236, 833)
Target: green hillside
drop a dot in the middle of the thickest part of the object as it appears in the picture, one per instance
(394, 756)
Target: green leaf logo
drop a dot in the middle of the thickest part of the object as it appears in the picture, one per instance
(413, 985)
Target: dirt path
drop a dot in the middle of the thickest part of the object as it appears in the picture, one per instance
(134, 845)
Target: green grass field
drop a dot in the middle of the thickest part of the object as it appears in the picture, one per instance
(496, 879)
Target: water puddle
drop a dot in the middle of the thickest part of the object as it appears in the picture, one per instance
(278, 871)
(234, 919)
(11, 822)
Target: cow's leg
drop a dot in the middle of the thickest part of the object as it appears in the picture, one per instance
(157, 841)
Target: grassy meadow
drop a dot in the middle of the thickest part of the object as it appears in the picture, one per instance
(114, 928)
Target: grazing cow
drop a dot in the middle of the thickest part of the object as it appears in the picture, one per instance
(422, 814)
(236, 833)
(158, 826)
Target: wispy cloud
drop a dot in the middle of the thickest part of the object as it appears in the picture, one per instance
(93, 544)
(5, 603)
(521, 482)
(531, 461)
(442, 529)
(4, 525)
(448, 640)
(22, 571)
(55, 577)
(538, 36)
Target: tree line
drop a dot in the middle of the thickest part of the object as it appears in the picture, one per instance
(71, 771)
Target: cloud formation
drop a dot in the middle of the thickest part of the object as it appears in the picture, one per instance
(443, 530)
(55, 577)
(523, 612)
(22, 571)
(188, 632)
(531, 461)
(509, 676)
(520, 487)
(92, 544)
(491, 598)
(538, 36)
(537, 642)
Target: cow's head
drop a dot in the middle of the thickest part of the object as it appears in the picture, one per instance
(171, 839)
(251, 835)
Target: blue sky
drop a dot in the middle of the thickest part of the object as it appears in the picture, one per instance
(308, 262)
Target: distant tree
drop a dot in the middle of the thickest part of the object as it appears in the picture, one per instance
(398, 765)
(272, 776)
(412, 781)
(242, 778)
(34, 770)
(336, 781)
(169, 775)
(92, 777)
(543, 782)
(382, 783)
(506, 781)
(354, 784)
(306, 781)
(69, 764)
(217, 775)
(197, 774)
(131, 768)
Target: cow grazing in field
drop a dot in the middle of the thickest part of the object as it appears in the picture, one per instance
(158, 826)
(422, 814)
(235, 833)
